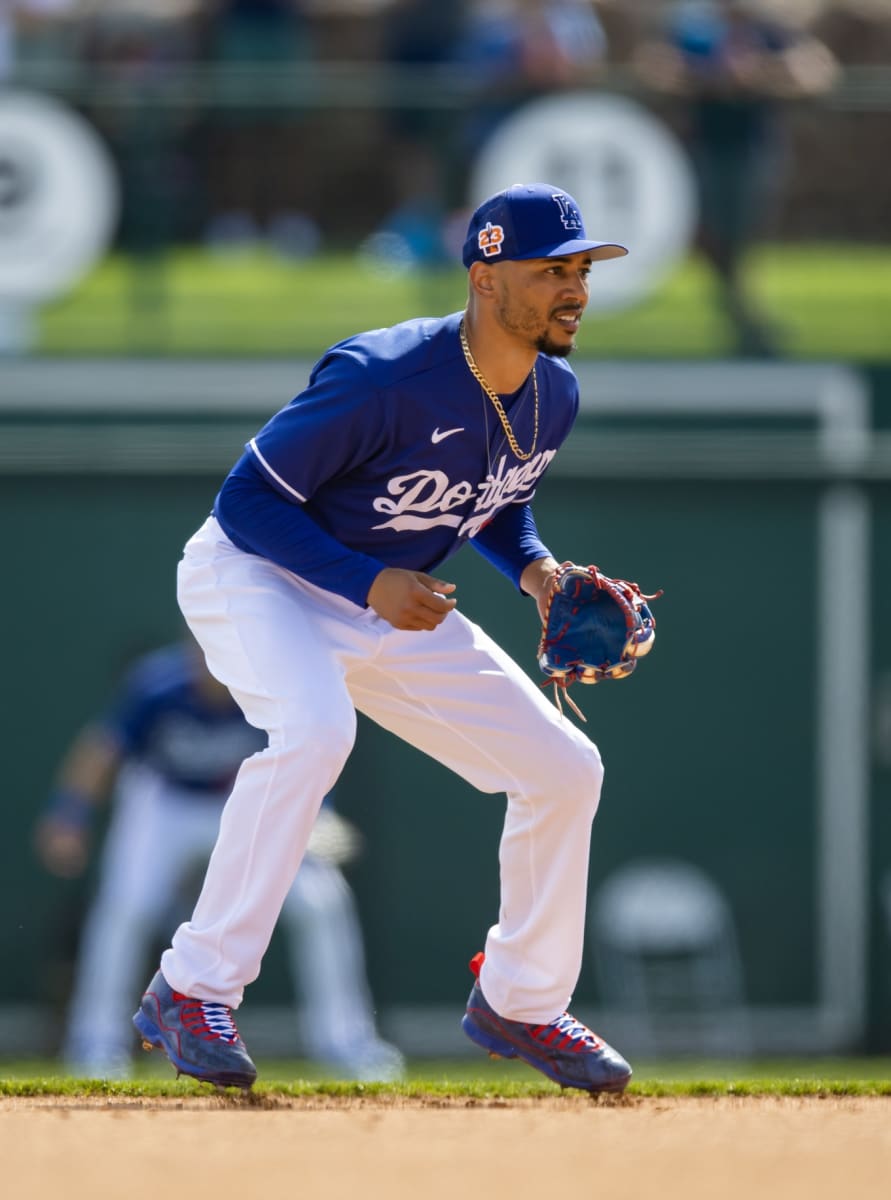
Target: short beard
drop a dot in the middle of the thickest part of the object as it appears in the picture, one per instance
(544, 345)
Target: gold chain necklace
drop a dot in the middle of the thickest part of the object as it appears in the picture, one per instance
(523, 455)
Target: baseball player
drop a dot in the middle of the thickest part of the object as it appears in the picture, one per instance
(170, 747)
(315, 590)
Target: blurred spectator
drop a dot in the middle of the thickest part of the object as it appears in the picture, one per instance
(622, 24)
(526, 48)
(735, 68)
(257, 165)
(419, 35)
(858, 31)
(25, 16)
(508, 51)
(131, 55)
(169, 749)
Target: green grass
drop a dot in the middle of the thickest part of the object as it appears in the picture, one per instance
(827, 302)
(479, 1079)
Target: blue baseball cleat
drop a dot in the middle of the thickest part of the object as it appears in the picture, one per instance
(565, 1050)
(198, 1036)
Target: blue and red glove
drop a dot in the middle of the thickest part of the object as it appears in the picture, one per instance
(595, 628)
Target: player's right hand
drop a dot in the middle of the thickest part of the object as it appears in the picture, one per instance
(62, 849)
(411, 599)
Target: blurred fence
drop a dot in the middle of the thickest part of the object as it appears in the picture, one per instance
(341, 127)
(270, 208)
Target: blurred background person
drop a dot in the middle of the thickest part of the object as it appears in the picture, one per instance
(26, 17)
(521, 49)
(421, 36)
(736, 63)
(503, 53)
(498, 54)
(138, 50)
(258, 181)
(168, 749)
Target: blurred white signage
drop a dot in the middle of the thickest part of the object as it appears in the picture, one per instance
(59, 198)
(630, 175)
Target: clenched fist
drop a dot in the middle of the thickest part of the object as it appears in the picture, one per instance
(410, 599)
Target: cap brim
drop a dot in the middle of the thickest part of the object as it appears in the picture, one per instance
(599, 251)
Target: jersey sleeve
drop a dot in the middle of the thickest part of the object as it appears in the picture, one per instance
(334, 425)
(262, 520)
(129, 716)
(511, 541)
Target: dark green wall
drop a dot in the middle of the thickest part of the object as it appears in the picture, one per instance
(89, 580)
(706, 757)
(667, 736)
(709, 748)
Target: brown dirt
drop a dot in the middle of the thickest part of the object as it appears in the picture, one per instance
(404, 1149)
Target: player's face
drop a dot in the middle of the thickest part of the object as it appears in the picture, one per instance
(541, 300)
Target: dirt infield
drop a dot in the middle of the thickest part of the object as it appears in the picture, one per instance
(399, 1149)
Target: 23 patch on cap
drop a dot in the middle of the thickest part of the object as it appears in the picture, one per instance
(490, 238)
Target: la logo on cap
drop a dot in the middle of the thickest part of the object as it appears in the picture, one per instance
(489, 239)
(569, 214)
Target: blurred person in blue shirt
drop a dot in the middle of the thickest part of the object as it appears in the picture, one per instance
(168, 749)
(526, 48)
(255, 167)
(735, 62)
(419, 37)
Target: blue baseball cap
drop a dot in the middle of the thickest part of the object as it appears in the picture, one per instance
(531, 220)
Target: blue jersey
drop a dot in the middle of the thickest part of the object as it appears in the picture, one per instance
(164, 720)
(394, 456)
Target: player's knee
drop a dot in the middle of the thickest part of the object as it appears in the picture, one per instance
(565, 764)
(581, 772)
(316, 738)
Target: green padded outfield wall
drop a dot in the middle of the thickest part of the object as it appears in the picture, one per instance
(710, 749)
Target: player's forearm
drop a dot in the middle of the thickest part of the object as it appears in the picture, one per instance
(260, 521)
(536, 581)
(90, 766)
(537, 577)
(511, 542)
(63, 833)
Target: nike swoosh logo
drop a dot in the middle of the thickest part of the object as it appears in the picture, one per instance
(437, 436)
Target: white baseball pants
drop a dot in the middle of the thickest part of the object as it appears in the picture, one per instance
(300, 661)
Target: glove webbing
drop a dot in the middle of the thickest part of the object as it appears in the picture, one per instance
(563, 684)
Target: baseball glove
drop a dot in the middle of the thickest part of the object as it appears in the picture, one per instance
(334, 839)
(595, 628)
